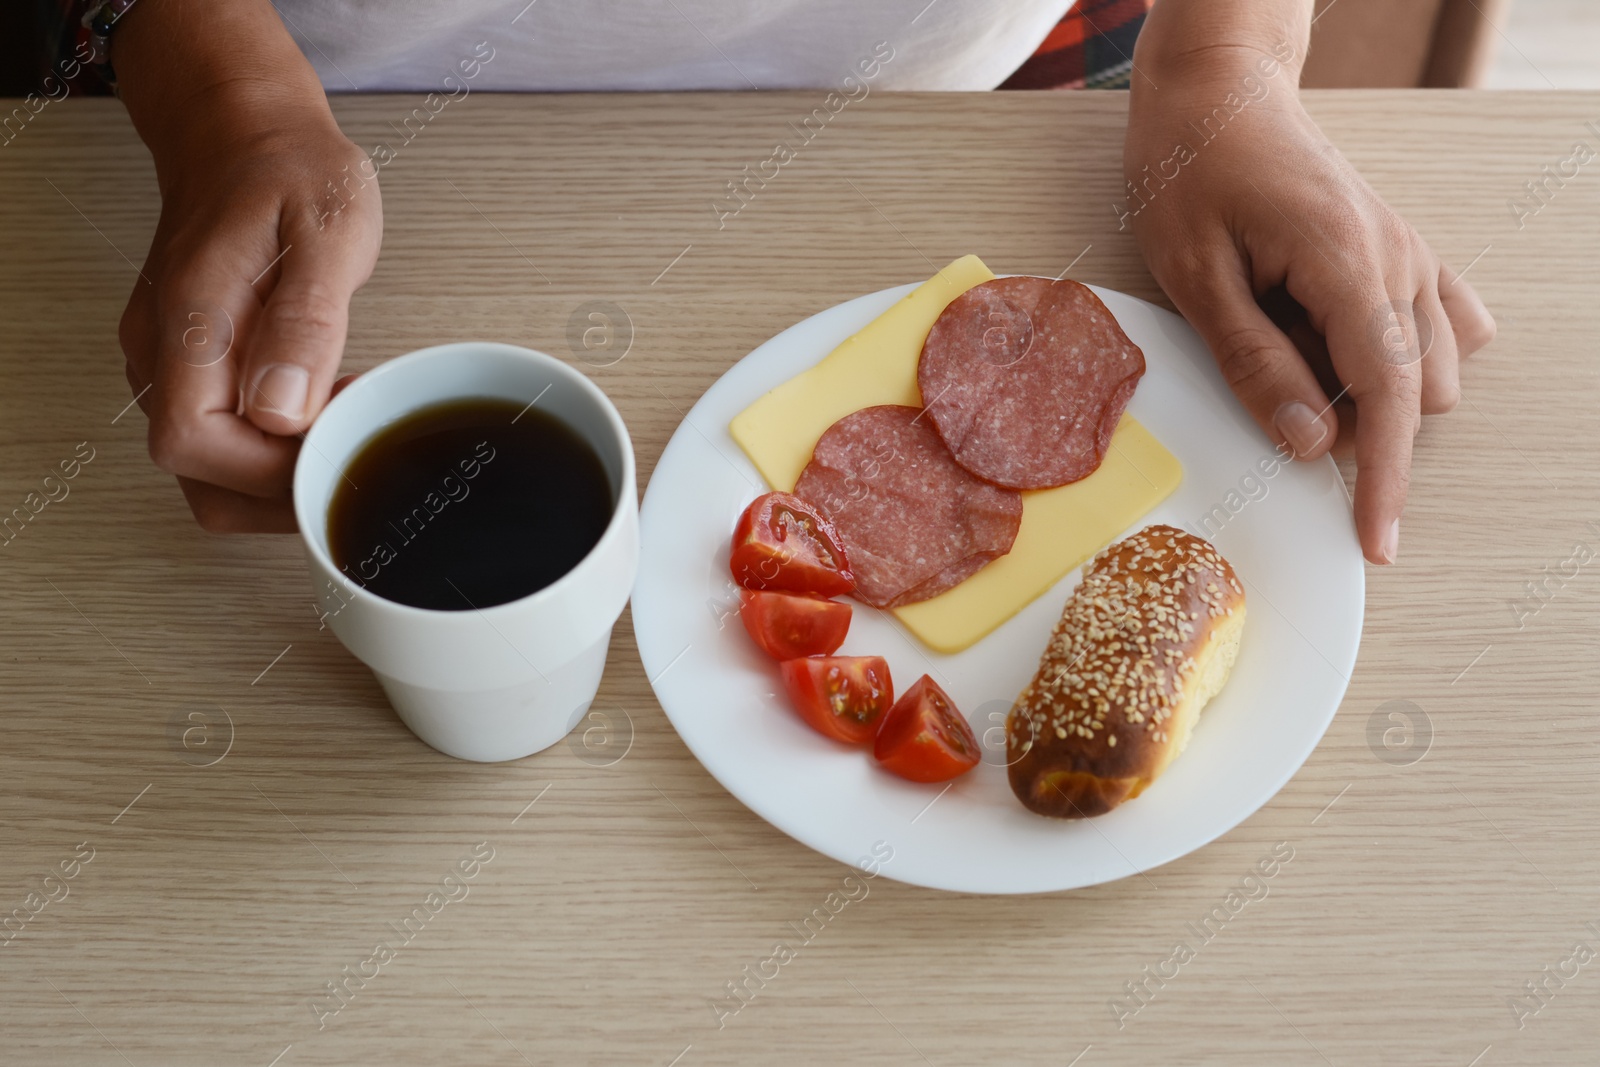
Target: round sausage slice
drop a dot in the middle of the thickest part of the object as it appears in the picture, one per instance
(913, 522)
(1026, 378)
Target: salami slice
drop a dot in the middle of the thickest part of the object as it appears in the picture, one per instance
(1026, 378)
(913, 522)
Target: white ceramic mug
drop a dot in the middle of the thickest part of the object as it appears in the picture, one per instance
(499, 682)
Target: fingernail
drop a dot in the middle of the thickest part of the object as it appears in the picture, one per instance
(1391, 542)
(281, 389)
(1300, 427)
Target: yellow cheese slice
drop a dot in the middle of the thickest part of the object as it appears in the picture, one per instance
(876, 366)
(1060, 528)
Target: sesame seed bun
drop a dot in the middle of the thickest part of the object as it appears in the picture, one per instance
(1143, 643)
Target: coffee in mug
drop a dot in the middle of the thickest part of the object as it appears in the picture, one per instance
(467, 504)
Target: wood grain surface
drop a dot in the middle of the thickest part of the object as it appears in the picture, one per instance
(1430, 879)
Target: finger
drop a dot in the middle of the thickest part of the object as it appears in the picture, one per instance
(1288, 316)
(220, 510)
(139, 335)
(1349, 424)
(1383, 368)
(294, 354)
(1470, 321)
(141, 388)
(1439, 360)
(339, 386)
(195, 430)
(1260, 364)
(1383, 465)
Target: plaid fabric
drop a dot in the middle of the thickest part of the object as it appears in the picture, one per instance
(63, 36)
(1090, 48)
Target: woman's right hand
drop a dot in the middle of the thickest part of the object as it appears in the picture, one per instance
(270, 220)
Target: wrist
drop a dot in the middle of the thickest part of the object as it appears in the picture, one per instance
(230, 119)
(239, 82)
(1218, 42)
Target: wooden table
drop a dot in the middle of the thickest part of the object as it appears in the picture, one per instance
(1428, 883)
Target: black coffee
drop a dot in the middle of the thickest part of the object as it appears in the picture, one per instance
(468, 503)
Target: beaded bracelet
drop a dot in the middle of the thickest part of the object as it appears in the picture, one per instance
(100, 19)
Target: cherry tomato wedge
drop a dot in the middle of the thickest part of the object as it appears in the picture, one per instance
(782, 543)
(792, 625)
(842, 697)
(924, 738)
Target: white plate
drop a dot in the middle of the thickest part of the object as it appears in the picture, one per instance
(1294, 546)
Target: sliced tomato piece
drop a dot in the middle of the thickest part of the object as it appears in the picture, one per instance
(784, 544)
(924, 738)
(792, 625)
(840, 696)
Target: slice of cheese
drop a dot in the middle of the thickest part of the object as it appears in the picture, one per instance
(1060, 528)
(876, 366)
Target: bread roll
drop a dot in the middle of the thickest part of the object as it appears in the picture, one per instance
(1147, 638)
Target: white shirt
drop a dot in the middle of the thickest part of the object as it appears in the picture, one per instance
(597, 45)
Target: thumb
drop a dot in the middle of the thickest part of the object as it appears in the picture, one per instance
(298, 339)
(1260, 364)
